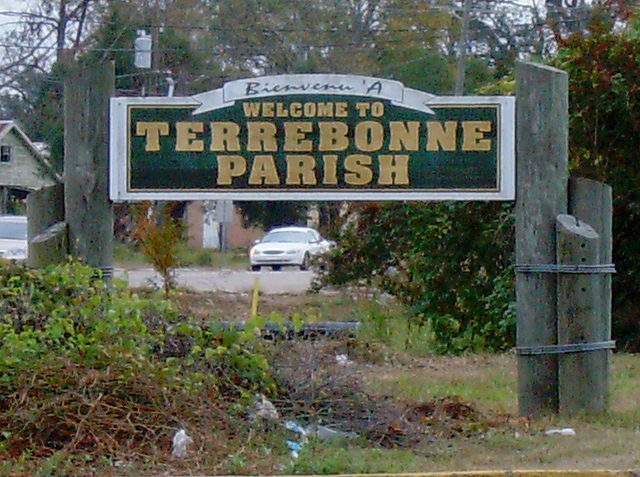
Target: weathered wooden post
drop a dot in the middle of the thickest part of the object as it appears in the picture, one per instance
(584, 376)
(47, 227)
(89, 212)
(579, 317)
(541, 195)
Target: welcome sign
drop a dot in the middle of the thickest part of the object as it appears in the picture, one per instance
(313, 137)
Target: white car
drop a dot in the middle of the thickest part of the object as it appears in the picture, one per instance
(288, 246)
(13, 237)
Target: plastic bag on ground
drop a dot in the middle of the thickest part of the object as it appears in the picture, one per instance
(329, 433)
(264, 409)
(181, 440)
(565, 431)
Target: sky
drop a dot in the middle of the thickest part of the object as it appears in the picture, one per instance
(10, 5)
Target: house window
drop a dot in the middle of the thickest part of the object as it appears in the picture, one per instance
(5, 153)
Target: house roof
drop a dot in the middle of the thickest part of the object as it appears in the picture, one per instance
(9, 125)
(4, 125)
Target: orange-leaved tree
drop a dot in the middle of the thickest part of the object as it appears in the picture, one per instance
(157, 234)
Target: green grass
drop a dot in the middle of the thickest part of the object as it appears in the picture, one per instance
(350, 458)
(489, 383)
(126, 256)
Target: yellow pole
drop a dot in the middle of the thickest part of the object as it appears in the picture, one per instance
(256, 293)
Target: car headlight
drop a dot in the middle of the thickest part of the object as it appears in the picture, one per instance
(253, 251)
(15, 252)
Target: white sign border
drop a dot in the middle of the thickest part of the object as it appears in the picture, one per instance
(118, 189)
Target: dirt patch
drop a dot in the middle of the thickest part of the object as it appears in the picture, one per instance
(343, 305)
(322, 385)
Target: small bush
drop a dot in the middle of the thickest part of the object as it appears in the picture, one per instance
(157, 234)
(86, 365)
(449, 263)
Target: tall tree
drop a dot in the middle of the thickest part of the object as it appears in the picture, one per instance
(32, 66)
(604, 101)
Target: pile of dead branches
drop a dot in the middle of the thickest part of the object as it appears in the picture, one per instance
(115, 411)
(323, 386)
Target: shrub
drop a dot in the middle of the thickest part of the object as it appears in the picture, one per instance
(450, 263)
(157, 234)
(87, 365)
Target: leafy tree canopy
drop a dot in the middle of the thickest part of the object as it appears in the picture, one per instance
(604, 99)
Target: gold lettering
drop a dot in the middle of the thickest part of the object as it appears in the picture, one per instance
(333, 136)
(442, 138)
(394, 169)
(310, 110)
(369, 136)
(294, 137)
(404, 136)
(225, 136)
(357, 171)
(263, 171)
(251, 110)
(281, 112)
(301, 170)
(474, 139)
(377, 109)
(268, 110)
(152, 131)
(261, 137)
(330, 169)
(186, 136)
(363, 108)
(325, 110)
(295, 110)
(342, 110)
(230, 167)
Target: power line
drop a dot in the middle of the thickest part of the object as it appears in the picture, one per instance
(372, 43)
(211, 28)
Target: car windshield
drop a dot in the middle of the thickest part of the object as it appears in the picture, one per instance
(285, 237)
(13, 230)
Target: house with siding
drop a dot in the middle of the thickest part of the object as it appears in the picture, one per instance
(22, 166)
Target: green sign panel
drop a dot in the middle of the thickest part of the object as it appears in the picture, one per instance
(313, 137)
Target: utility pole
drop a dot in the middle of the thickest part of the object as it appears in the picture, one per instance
(462, 48)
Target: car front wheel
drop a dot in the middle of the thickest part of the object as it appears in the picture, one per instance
(305, 262)
(255, 268)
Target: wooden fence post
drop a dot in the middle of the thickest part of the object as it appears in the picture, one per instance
(579, 323)
(541, 194)
(89, 212)
(592, 202)
(47, 228)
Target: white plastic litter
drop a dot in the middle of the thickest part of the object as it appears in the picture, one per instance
(181, 441)
(292, 426)
(328, 433)
(565, 431)
(295, 448)
(343, 360)
(263, 408)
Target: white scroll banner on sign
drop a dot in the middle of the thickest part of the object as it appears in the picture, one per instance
(337, 85)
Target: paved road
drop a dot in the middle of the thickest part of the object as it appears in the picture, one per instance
(234, 281)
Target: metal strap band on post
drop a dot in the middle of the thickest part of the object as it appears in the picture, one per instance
(556, 268)
(107, 272)
(565, 348)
